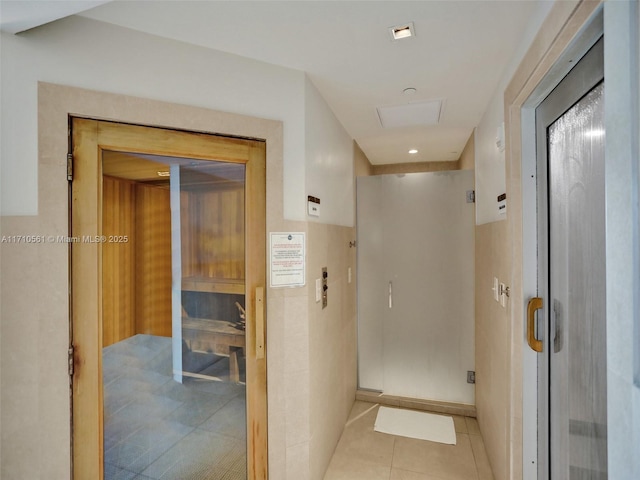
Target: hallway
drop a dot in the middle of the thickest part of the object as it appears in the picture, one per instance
(363, 454)
(320, 83)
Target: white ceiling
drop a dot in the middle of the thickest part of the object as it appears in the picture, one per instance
(458, 55)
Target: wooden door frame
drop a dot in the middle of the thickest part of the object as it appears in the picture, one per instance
(86, 272)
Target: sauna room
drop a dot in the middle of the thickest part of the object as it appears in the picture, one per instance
(173, 299)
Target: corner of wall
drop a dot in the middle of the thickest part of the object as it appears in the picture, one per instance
(328, 161)
(467, 159)
(361, 165)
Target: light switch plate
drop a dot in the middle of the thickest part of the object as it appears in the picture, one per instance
(496, 289)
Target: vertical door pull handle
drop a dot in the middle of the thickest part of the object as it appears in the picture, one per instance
(534, 304)
(390, 294)
(259, 322)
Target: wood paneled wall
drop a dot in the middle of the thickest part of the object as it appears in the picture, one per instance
(118, 260)
(153, 261)
(213, 234)
(136, 274)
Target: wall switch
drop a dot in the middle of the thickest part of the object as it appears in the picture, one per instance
(496, 289)
(349, 274)
(471, 376)
(325, 287)
(318, 289)
(503, 295)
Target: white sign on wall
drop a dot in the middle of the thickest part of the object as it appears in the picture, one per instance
(287, 259)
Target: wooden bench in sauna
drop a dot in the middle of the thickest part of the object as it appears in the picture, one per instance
(214, 336)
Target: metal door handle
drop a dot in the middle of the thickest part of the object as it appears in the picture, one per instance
(534, 304)
(259, 322)
(390, 294)
(557, 326)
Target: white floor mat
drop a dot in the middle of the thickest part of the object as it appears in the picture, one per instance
(412, 424)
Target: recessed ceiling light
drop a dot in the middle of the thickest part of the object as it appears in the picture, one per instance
(409, 91)
(165, 173)
(413, 151)
(402, 31)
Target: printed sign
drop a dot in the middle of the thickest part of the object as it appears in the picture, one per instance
(287, 259)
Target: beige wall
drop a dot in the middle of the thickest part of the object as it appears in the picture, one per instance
(35, 400)
(361, 166)
(467, 159)
(332, 340)
(395, 168)
(492, 345)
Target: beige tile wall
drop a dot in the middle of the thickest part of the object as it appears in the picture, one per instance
(332, 340)
(492, 342)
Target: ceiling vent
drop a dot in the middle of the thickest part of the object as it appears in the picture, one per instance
(411, 114)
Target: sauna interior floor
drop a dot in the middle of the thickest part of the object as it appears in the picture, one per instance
(156, 428)
(364, 454)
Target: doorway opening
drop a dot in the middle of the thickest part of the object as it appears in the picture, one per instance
(168, 257)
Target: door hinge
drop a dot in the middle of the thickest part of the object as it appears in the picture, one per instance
(471, 376)
(71, 360)
(69, 167)
(471, 196)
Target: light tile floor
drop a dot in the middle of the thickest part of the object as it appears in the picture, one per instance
(364, 454)
(158, 429)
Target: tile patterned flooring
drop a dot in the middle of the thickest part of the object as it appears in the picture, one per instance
(158, 429)
(364, 454)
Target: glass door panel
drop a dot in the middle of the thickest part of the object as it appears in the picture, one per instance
(173, 300)
(578, 404)
(429, 336)
(415, 285)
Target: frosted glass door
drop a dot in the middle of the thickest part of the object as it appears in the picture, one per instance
(572, 383)
(416, 285)
(578, 402)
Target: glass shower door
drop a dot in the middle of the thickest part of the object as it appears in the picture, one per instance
(415, 285)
